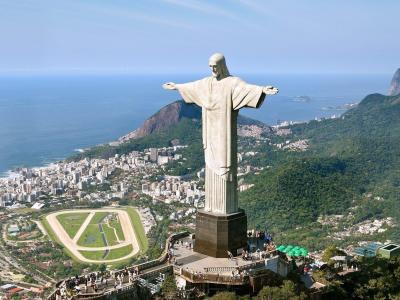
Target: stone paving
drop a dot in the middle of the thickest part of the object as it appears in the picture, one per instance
(189, 260)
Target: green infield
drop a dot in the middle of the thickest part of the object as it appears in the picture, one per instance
(119, 252)
(98, 217)
(117, 225)
(108, 255)
(92, 237)
(93, 234)
(94, 255)
(71, 222)
(110, 235)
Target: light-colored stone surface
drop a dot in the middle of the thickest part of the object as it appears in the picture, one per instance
(221, 96)
(192, 261)
(62, 235)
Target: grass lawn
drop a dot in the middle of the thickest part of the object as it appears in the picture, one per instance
(71, 222)
(138, 227)
(110, 235)
(113, 254)
(91, 237)
(98, 217)
(117, 225)
(95, 255)
(119, 252)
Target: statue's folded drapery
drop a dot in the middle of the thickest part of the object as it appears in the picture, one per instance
(220, 101)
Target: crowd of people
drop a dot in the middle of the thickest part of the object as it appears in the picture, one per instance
(89, 283)
(95, 282)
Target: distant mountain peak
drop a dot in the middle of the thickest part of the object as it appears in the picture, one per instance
(395, 84)
(167, 116)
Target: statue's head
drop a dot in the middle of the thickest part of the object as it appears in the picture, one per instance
(218, 66)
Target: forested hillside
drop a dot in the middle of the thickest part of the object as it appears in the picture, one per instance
(352, 168)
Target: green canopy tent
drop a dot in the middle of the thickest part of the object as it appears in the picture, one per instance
(281, 248)
(294, 251)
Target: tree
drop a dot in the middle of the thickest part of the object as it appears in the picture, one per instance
(102, 268)
(287, 291)
(331, 251)
(169, 288)
(224, 296)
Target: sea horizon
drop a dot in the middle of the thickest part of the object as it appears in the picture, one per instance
(46, 118)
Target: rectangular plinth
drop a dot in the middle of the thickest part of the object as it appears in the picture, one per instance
(217, 234)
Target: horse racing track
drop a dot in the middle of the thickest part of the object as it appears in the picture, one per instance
(106, 235)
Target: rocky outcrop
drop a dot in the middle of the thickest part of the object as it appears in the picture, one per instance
(164, 118)
(395, 85)
(171, 114)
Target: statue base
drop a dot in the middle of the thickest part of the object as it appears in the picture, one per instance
(217, 234)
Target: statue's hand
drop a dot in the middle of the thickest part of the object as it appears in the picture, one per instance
(169, 86)
(270, 90)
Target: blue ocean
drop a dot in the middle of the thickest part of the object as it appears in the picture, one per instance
(46, 118)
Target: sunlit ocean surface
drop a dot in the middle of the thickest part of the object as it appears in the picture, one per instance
(46, 118)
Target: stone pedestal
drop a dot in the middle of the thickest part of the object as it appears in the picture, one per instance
(216, 234)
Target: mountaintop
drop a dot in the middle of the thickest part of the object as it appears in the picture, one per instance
(395, 84)
(164, 118)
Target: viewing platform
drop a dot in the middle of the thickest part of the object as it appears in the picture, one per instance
(190, 268)
(195, 268)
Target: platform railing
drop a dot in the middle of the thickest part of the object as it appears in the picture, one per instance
(214, 278)
(253, 265)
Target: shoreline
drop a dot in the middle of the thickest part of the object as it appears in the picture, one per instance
(11, 174)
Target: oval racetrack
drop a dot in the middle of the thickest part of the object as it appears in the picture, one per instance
(71, 244)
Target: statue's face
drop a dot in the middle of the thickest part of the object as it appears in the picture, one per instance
(215, 69)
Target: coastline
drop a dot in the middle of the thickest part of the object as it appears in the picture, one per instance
(82, 116)
(12, 174)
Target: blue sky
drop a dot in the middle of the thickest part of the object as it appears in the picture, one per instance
(178, 36)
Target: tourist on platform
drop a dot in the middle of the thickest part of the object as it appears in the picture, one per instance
(58, 294)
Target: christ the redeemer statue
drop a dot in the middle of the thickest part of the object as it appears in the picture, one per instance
(221, 96)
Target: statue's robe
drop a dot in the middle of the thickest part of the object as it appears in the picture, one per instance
(220, 101)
